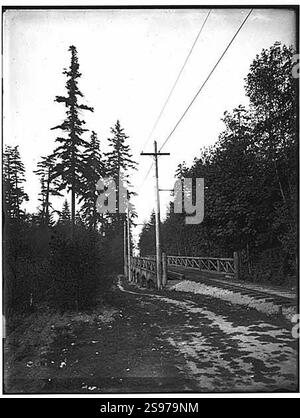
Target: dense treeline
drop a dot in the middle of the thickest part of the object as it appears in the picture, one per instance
(63, 256)
(251, 180)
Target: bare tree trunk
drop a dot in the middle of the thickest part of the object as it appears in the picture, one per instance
(279, 182)
(73, 211)
(47, 199)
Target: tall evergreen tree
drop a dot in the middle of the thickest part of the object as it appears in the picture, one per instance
(49, 186)
(119, 159)
(69, 154)
(93, 171)
(65, 214)
(13, 179)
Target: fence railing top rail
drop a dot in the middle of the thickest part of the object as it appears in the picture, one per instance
(143, 261)
(199, 258)
(152, 258)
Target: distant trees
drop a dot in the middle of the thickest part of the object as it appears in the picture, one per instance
(23, 246)
(119, 159)
(147, 237)
(50, 186)
(65, 215)
(13, 183)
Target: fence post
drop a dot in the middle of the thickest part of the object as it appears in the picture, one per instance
(236, 265)
(164, 270)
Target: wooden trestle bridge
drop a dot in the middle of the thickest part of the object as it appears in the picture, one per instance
(143, 269)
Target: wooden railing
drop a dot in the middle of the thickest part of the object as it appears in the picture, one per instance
(220, 265)
(144, 263)
(224, 266)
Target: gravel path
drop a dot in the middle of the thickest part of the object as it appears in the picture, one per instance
(160, 342)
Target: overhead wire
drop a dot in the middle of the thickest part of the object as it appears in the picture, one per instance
(172, 90)
(199, 91)
(205, 81)
(176, 80)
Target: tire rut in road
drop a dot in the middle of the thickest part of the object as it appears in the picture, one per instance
(222, 355)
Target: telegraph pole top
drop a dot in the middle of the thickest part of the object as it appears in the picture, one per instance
(155, 153)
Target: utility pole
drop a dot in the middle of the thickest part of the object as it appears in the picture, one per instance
(156, 154)
(128, 245)
(125, 249)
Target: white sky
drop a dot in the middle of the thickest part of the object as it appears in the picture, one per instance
(129, 60)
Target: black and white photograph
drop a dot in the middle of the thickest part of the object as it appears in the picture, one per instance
(150, 204)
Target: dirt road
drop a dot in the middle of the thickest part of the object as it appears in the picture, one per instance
(167, 342)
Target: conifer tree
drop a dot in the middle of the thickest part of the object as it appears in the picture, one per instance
(13, 179)
(93, 171)
(69, 154)
(119, 159)
(65, 214)
(49, 186)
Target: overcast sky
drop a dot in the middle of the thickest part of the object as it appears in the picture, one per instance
(129, 60)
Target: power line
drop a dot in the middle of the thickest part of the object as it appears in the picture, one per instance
(176, 81)
(205, 81)
(171, 92)
(198, 92)
(145, 177)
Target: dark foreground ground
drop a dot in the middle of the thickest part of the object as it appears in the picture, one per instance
(150, 342)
